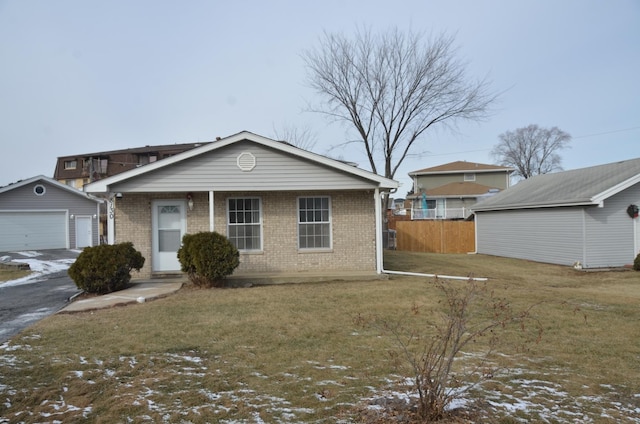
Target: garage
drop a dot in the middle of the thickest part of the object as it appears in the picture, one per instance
(31, 230)
(41, 213)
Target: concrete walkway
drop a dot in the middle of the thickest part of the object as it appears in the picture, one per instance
(139, 292)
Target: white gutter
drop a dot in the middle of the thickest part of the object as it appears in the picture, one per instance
(446, 277)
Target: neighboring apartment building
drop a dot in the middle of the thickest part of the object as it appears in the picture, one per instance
(78, 170)
(448, 191)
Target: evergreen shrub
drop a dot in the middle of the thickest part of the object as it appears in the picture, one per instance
(636, 263)
(105, 268)
(207, 258)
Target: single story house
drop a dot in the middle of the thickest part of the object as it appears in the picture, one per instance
(41, 213)
(287, 210)
(581, 217)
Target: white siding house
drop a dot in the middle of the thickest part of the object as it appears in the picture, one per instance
(287, 210)
(565, 217)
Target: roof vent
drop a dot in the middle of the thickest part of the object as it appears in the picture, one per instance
(246, 161)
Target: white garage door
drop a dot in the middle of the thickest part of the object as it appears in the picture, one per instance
(32, 230)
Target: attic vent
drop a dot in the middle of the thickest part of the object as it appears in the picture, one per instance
(39, 190)
(246, 161)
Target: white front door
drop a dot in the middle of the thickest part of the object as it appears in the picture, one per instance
(169, 224)
(84, 235)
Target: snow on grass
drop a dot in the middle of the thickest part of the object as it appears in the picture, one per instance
(509, 394)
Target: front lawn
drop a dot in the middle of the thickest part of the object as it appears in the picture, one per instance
(298, 354)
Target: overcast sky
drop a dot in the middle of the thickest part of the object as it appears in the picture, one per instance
(80, 76)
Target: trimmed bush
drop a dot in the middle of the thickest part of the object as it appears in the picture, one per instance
(105, 268)
(636, 263)
(207, 258)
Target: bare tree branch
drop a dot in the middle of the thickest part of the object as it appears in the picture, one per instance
(392, 87)
(531, 150)
(300, 136)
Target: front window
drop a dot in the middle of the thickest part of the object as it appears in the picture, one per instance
(470, 176)
(245, 223)
(314, 223)
(70, 164)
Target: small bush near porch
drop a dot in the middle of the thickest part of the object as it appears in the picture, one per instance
(296, 353)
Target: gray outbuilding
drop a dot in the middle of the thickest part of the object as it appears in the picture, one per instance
(41, 213)
(584, 217)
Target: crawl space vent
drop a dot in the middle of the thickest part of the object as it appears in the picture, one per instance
(246, 161)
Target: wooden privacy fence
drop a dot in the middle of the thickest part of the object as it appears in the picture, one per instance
(436, 236)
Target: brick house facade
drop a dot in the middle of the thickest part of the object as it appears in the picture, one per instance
(308, 213)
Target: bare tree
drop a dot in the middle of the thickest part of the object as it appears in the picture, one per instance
(300, 136)
(531, 150)
(392, 87)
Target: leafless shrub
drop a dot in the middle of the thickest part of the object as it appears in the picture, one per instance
(472, 314)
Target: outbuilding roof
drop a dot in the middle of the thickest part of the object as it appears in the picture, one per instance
(584, 186)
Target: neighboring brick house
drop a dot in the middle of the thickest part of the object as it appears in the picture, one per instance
(286, 209)
(448, 191)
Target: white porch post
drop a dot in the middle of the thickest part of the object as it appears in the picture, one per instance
(211, 212)
(111, 214)
(378, 201)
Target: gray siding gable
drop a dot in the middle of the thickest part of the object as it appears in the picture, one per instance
(577, 187)
(218, 170)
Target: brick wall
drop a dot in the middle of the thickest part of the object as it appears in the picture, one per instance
(353, 230)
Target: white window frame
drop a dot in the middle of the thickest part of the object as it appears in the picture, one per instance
(469, 176)
(70, 164)
(258, 224)
(328, 222)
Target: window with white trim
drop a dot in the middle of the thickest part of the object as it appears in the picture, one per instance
(70, 164)
(244, 223)
(470, 176)
(314, 222)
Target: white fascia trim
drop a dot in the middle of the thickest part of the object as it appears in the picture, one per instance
(516, 207)
(601, 197)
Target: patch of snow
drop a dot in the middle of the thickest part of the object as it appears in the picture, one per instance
(39, 268)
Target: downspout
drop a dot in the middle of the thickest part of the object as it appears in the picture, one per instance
(211, 212)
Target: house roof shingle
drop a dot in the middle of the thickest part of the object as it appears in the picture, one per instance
(461, 166)
(584, 186)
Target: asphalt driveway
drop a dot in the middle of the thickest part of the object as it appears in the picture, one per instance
(26, 301)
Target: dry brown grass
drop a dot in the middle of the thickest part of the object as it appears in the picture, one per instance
(12, 274)
(295, 353)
